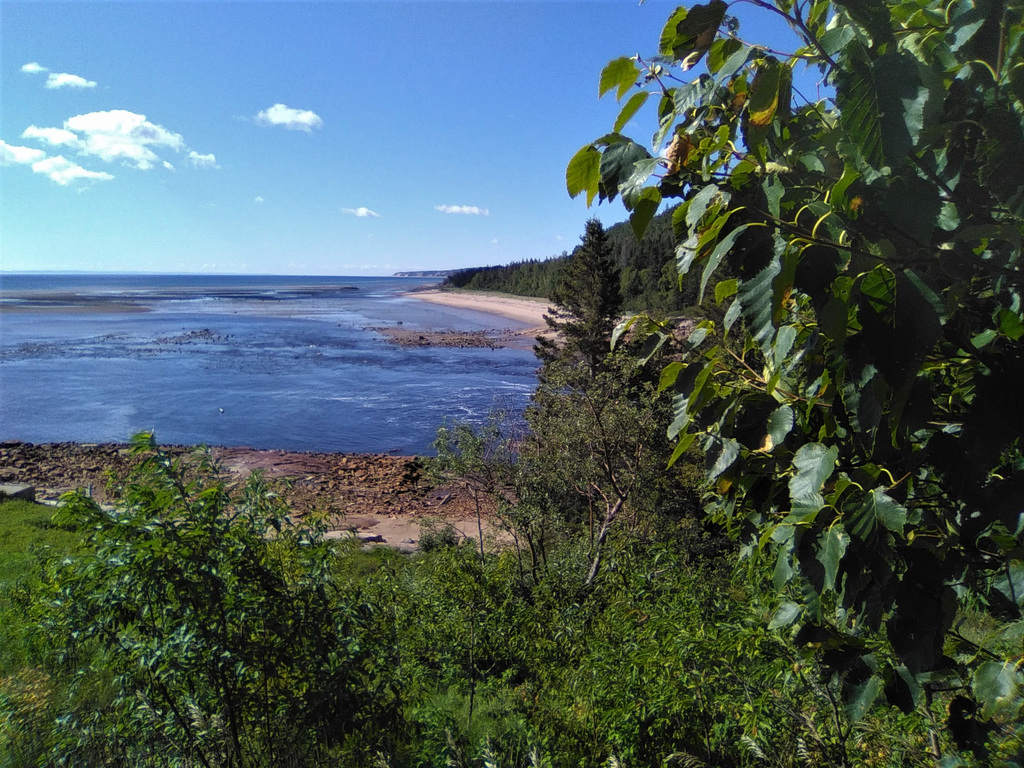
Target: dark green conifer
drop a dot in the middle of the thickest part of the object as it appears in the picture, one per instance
(587, 304)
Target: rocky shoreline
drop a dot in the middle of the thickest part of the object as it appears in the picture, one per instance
(380, 498)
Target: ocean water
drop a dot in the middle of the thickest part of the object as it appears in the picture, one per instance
(265, 362)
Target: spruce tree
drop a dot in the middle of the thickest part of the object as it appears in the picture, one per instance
(587, 304)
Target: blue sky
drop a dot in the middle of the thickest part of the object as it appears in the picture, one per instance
(304, 138)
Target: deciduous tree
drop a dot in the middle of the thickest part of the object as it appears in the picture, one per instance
(859, 403)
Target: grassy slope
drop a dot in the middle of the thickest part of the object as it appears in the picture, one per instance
(27, 536)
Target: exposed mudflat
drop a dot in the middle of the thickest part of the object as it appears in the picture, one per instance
(370, 495)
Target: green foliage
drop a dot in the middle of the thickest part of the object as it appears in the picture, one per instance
(854, 402)
(587, 304)
(220, 633)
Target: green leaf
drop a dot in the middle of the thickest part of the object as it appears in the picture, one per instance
(617, 166)
(699, 204)
(1010, 324)
(872, 16)
(995, 686)
(788, 613)
(814, 464)
(721, 51)
(780, 423)
(669, 374)
(755, 297)
(720, 456)
(632, 189)
(831, 547)
(630, 108)
(1010, 582)
(862, 697)
(723, 247)
(643, 211)
(773, 193)
(689, 33)
(583, 173)
(764, 93)
(882, 106)
(620, 74)
(725, 289)
(874, 509)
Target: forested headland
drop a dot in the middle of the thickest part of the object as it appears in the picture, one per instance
(648, 277)
(789, 532)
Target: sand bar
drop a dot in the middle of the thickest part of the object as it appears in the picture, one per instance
(522, 309)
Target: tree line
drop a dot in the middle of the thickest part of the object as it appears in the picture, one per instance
(648, 278)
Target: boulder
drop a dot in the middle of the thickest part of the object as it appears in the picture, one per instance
(17, 491)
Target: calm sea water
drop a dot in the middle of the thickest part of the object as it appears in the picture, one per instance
(265, 362)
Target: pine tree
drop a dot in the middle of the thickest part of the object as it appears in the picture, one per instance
(587, 304)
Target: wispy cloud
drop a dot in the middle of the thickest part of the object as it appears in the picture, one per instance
(257, 199)
(361, 212)
(14, 155)
(67, 80)
(59, 169)
(466, 210)
(292, 119)
(34, 68)
(64, 171)
(55, 137)
(202, 161)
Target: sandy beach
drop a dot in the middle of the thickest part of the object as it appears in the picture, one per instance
(519, 308)
(527, 311)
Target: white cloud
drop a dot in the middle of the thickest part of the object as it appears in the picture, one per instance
(292, 119)
(118, 134)
(361, 212)
(257, 199)
(11, 155)
(33, 68)
(494, 241)
(202, 161)
(63, 171)
(55, 137)
(467, 210)
(113, 135)
(67, 80)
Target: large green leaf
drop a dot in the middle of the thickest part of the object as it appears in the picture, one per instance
(862, 697)
(644, 208)
(755, 297)
(995, 685)
(620, 74)
(831, 548)
(633, 187)
(814, 464)
(719, 253)
(630, 108)
(583, 174)
(872, 15)
(780, 423)
(689, 33)
(875, 509)
(617, 166)
(882, 107)
(786, 614)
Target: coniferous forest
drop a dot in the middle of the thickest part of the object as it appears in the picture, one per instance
(788, 531)
(648, 278)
